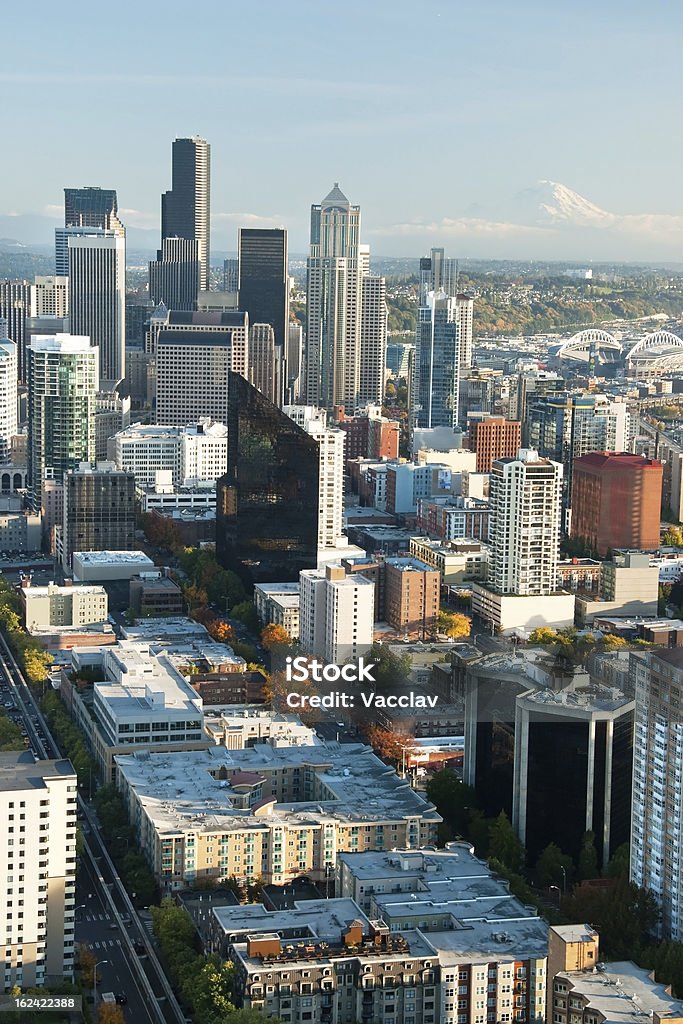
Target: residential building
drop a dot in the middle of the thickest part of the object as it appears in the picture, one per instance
(9, 424)
(456, 561)
(495, 438)
(330, 442)
(63, 385)
(629, 586)
(185, 209)
(454, 518)
(267, 521)
(99, 510)
(334, 304)
(616, 500)
(174, 276)
(408, 482)
(411, 596)
(437, 363)
(38, 861)
(581, 990)
(97, 294)
(243, 727)
(264, 282)
(579, 574)
(336, 613)
(207, 347)
(65, 606)
(278, 603)
(217, 813)
(657, 828)
(373, 339)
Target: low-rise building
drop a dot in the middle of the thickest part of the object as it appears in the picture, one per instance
(109, 565)
(629, 587)
(153, 594)
(62, 606)
(454, 518)
(278, 603)
(579, 574)
(20, 530)
(241, 727)
(455, 560)
(269, 812)
(411, 595)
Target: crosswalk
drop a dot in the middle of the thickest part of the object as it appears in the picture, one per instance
(95, 917)
(103, 944)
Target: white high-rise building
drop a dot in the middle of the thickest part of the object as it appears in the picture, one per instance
(331, 476)
(50, 296)
(657, 809)
(333, 332)
(464, 314)
(336, 613)
(8, 395)
(97, 294)
(373, 340)
(63, 381)
(38, 866)
(194, 454)
(525, 497)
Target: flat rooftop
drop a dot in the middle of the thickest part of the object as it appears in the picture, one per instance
(277, 589)
(179, 792)
(625, 993)
(141, 683)
(508, 939)
(320, 919)
(112, 557)
(160, 630)
(19, 770)
(53, 588)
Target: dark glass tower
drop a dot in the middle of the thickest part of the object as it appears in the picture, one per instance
(263, 279)
(185, 210)
(91, 208)
(267, 503)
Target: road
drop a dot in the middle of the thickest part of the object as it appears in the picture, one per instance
(141, 977)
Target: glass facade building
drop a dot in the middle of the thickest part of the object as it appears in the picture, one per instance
(264, 280)
(267, 503)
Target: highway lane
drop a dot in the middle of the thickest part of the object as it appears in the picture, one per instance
(149, 975)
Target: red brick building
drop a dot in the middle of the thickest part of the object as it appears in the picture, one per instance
(495, 438)
(616, 499)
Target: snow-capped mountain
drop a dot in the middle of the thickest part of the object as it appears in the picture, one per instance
(551, 204)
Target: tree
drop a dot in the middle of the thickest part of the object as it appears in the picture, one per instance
(213, 989)
(245, 613)
(613, 643)
(195, 596)
(543, 636)
(455, 801)
(390, 668)
(588, 857)
(454, 624)
(110, 1013)
(553, 867)
(391, 745)
(504, 845)
(221, 631)
(625, 916)
(274, 636)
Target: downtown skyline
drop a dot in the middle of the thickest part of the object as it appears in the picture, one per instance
(522, 96)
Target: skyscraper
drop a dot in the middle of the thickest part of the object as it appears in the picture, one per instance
(91, 208)
(8, 395)
(50, 297)
(97, 294)
(333, 304)
(175, 274)
(185, 210)
(264, 279)
(373, 339)
(231, 275)
(99, 510)
(267, 503)
(63, 384)
(201, 348)
(265, 362)
(15, 307)
(437, 364)
(439, 272)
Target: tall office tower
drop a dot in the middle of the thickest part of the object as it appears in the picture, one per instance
(438, 272)
(531, 386)
(97, 294)
(464, 312)
(495, 438)
(437, 364)
(91, 208)
(99, 510)
(294, 362)
(616, 501)
(8, 395)
(333, 304)
(231, 275)
(264, 362)
(63, 382)
(203, 348)
(174, 275)
(267, 503)
(50, 297)
(657, 818)
(373, 339)
(336, 613)
(15, 307)
(564, 427)
(38, 863)
(185, 210)
(264, 279)
(330, 443)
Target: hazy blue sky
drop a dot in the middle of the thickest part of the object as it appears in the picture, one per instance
(433, 115)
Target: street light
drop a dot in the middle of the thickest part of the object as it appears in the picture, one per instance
(94, 982)
(564, 879)
(558, 891)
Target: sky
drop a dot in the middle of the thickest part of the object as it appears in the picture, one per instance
(438, 117)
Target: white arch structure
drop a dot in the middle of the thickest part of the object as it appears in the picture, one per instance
(580, 346)
(661, 345)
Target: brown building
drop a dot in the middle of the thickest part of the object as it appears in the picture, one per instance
(616, 500)
(411, 595)
(374, 437)
(154, 595)
(495, 438)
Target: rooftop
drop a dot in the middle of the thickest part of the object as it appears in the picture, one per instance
(625, 993)
(320, 919)
(139, 682)
(101, 557)
(20, 770)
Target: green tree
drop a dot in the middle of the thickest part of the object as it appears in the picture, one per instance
(245, 613)
(588, 857)
(625, 916)
(553, 867)
(504, 845)
(455, 801)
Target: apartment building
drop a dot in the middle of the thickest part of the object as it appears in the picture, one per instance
(411, 595)
(336, 613)
(67, 606)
